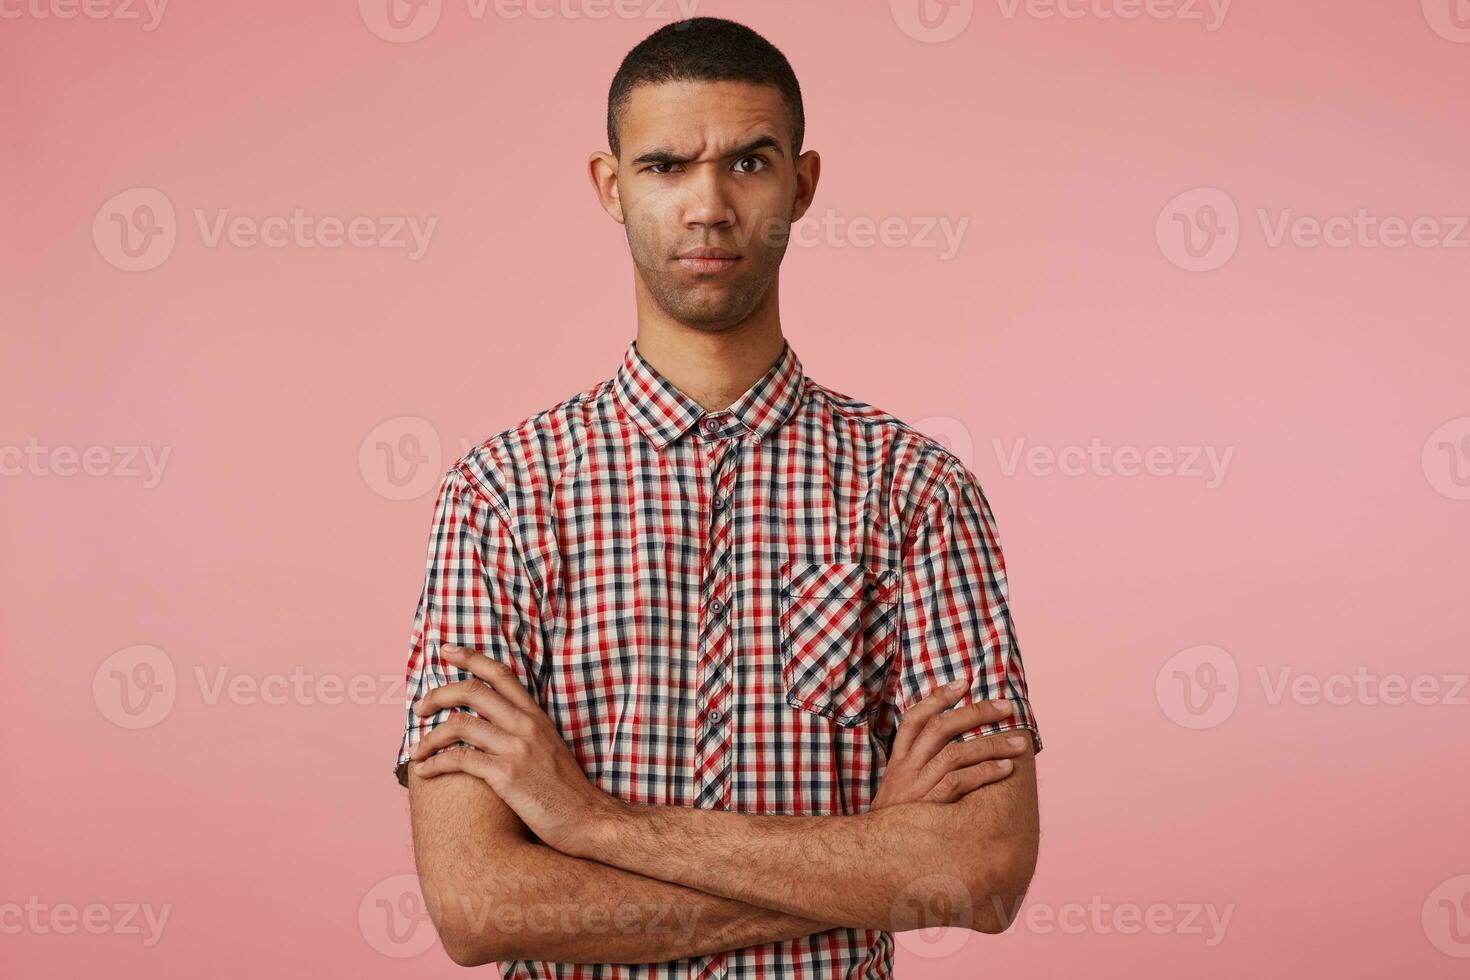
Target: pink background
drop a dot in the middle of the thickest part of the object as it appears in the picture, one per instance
(271, 829)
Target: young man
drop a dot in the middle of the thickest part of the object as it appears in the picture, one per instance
(677, 699)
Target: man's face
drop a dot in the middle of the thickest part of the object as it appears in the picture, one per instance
(707, 165)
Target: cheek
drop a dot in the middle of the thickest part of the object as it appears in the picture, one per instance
(650, 225)
(769, 226)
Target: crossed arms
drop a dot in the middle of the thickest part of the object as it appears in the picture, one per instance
(521, 857)
(953, 834)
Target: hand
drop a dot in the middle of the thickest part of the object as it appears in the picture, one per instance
(514, 748)
(926, 765)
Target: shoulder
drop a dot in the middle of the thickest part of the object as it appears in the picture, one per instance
(524, 462)
(922, 469)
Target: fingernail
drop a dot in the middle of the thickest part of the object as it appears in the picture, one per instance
(1015, 741)
(1004, 764)
(1004, 706)
(957, 684)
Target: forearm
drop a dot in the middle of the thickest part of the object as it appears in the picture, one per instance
(861, 870)
(534, 902)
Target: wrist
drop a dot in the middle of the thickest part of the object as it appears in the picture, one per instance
(603, 826)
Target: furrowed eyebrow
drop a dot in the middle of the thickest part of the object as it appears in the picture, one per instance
(669, 156)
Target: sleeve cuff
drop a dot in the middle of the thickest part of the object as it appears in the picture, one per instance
(1020, 718)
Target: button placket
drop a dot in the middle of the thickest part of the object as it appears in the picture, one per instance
(713, 739)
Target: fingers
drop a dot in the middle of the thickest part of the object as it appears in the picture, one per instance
(921, 714)
(486, 702)
(491, 671)
(959, 782)
(462, 727)
(492, 693)
(943, 729)
(458, 759)
(953, 757)
(961, 755)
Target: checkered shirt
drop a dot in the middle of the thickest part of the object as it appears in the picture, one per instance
(728, 610)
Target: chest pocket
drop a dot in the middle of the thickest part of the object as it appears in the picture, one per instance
(839, 624)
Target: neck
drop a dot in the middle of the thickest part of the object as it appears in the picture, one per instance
(714, 367)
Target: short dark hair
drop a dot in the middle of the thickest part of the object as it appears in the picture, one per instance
(704, 49)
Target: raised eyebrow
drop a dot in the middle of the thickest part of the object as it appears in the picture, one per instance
(669, 156)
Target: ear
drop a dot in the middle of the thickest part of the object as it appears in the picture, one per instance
(808, 172)
(602, 169)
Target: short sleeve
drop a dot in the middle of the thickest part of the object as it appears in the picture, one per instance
(955, 616)
(476, 594)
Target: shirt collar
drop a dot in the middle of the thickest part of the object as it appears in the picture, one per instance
(664, 412)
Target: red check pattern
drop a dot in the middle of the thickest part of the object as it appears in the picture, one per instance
(729, 610)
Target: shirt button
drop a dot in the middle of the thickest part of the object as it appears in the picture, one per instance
(710, 425)
(720, 502)
(716, 716)
(716, 607)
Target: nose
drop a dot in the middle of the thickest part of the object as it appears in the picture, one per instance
(709, 201)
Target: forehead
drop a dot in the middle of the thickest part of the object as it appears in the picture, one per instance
(692, 116)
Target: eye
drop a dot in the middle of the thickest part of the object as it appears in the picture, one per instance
(655, 167)
(757, 158)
